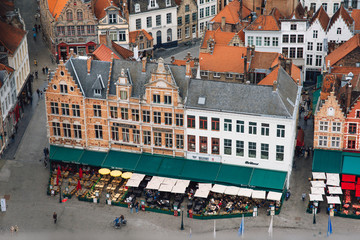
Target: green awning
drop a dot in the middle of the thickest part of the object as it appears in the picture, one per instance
(64, 154)
(171, 167)
(268, 179)
(200, 171)
(93, 158)
(230, 174)
(327, 161)
(351, 165)
(121, 160)
(148, 164)
(316, 96)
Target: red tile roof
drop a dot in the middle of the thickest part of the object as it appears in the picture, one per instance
(241, 35)
(103, 53)
(125, 53)
(264, 23)
(183, 62)
(220, 37)
(7, 68)
(345, 70)
(11, 36)
(272, 76)
(327, 86)
(343, 50)
(134, 34)
(6, 6)
(341, 12)
(322, 17)
(276, 13)
(99, 8)
(298, 13)
(56, 7)
(356, 16)
(178, 2)
(231, 13)
(264, 60)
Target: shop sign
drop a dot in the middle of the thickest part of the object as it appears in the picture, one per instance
(251, 163)
(162, 130)
(3, 205)
(202, 157)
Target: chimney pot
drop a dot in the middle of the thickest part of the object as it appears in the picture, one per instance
(223, 21)
(188, 69)
(172, 59)
(274, 86)
(88, 63)
(143, 60)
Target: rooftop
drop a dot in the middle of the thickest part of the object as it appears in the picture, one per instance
(56, 7)
(11, 36)
(264, 23)
(343, 50)
(103, 53)
(322, 17)
(232, 13)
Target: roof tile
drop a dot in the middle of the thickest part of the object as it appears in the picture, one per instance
(103, 53)
(341, 12)
(134, 34)
(56, 7)
(343, 50)
(356, 16)
(322, 17)
(231, 13)
(11, 36)
(264, 23)
(125, 53)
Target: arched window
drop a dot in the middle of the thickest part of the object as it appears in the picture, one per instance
(169, 35)
(338, 31)
(79, 15)
(69, 15)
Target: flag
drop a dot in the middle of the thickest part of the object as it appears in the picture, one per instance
(190, 234)
(329, 231)
(214, 228)
(241, 228)
(271, 227)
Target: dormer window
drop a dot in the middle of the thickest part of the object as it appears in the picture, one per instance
(137, 7)
(338, 31)
(112, 18)
(97, 92)
(168, 3)
(153, 4)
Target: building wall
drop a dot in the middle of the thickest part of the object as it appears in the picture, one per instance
(321, 38)
(345, 32)
(203, 21)
(262, 35)
(350, 60)
(286, 7)
(331, 9)
(353, 118)
(143, 44)
(191, 27)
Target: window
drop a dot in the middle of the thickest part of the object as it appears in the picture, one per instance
(149, 22)
(275, 41)
(179, 119)
(156, 98)
(285, 38)
(240, 148)
(187, 8)
(169, 35)
(91, 29)
(194, 17)
(168, 18)
(60, 30)
(335, 142)
(179, 21)
(168, 140)
(264, 151)
(319, 47)
(338, 30)
(69, 15)
(122, 36)
(191, 121)
(136, 136)
(336, 7)
(168, 118)
(258, 41)
(207, 11)
(216, 75)
(293, 38)
(285, 51)
(279, 153)
(323, 141)
(97, 110)
(215, 124)
(65, 109)
(292, 52)
(76, 110)
(157, 117)
(240, 126)
(77, 131)
(97, 92)
(98, 132)
(54, 108)
(191, 143)
(201, 13)
(63, 88)
(124, 113)
(125, 134)
(300, 53)
(201, 27)
(152, 3)
(123, 95)
(315, 33)
(309, 46)
(280, 131)
(265, 128)
(352, 128)
(179, 141)
(229, 75)
(167, 99)
(250, 41)
(158, 20)
(227, 146)
(318, 61)
(324, 5)
(187, 18)
(201, 1)
(252, 150)
(266, 41)
(137, 7)
(147, 137)
(308, 59)
(115, 133)
(112, 18)
(313, 7)
(351, 142)
(300, 38)
(203, 123)
(146, 116)
(213, 11)
(227, 125)
(336, 127)
(135, 116)
(56, 129)
(168, 3)
(323, 126)
(358, 112)
(187, 32)
(204, 73)
(138, 24)
(293, 27)
(252, 128)
(203, 145)
(354, 4)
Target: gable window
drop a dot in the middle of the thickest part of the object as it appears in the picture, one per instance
(323, 126)
(293, 27)
(324, 5)
(309, 46)
(313, 7)
(191, 121)
(152, 3)
(158, 20)
(167, 99)
(227, 146)
(179, 119)
(323, 141)
(215, 145)
(79, 15)
(97, 110)
(252, 149)
(250, 41)
(124, 112)
(252, 128)
(69, 15)
(279, 153)
(275, 41)
(112, 18)
(315, 34)
(65, 110)
(168, 18)
(203, 144)
(97, 92)
(168, 3)
(264, 151)
(137, 7)
(336, 7)
(138, 24)
(123, 95)
(191, 143)
(280, 131)
(352, 128)
(285, 38)
(156, 98)
(338, 30)
(265, 129)
(157, 117)
(63, 88)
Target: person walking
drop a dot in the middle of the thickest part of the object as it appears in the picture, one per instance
(34, 36)
(137, 207)
(303, 196)
(35, 62)
(55, 217)
(46, 70)
(43, 70)
(131, 208)
(38, 92)
(36, 75)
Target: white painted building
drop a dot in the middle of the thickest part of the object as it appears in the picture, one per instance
(207, 9)
(330, 6)
(157, 17)
(244, 125)
(341, 27)
(7, 90)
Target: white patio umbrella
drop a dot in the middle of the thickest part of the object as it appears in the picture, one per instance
(316, 197)
(333, 200)
(258, 194)
(218, 188)
(317, 184)
(275, 196)
(335, 190)
(245, 192)
(319, 175)
(232, 190)
(315, 190)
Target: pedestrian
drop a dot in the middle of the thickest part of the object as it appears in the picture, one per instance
(38, 92)
(41, 94)
(35, 17)
(131, 208)
(43, 70)
(55, 217)
(36, 74)
(36, 28)
(16, 128)
(137, 207)
(34, 36)
(46, 70)
(45, 152)
(45, 162)
(35, 62)
(303, 197)
(39, 27)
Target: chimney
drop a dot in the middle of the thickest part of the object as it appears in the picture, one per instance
(288, 63)
(188, 56)
(274, 86)
(172, 59)
(143, 60)
(88, 63)
(188, 69)
(223, 23)
(245, 68)
(348, 96)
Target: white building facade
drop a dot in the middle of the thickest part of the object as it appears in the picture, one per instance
(330, 6)
(207, 10)
(340, 31)
(264, 41)
(158, 18)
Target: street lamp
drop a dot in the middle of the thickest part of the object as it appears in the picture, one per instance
(182, 218)
(314, 211)
(60, 194)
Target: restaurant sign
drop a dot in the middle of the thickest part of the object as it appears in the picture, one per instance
(203, 157)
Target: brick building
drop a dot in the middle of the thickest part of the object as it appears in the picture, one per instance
(142, 42)
(187, 20)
